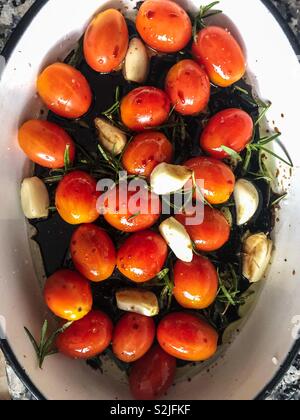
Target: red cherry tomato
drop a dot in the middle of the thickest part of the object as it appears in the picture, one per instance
(164, 25)
(196, 283)
(211, 234)
(152, 375)
(45, 143)
(221, 55)
(187, 337)
(68, 295)
(188, 87)
(133, 336)
(232, 128)
(219, 180)
(145, 107)
(106, 41)
(142, 256)
(65, 90)
(86, 338)
(93, 253)
(145, 152)
(76, 198)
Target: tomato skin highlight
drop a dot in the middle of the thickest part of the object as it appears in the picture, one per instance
(45, 143)
(152, 375)
(93, 253)
(65, 91)
(145, 107)
(164, 25)
(146, 151)
(196, 283)
(87, 337)
(68, 295)
(232, 128)
(106, 41)
(187, 337)
(219, 180)
(133, 336)
(142, 256)
(188, 87)
(220, 54)
(76, 198)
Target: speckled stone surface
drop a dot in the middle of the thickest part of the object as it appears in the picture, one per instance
(11, 11)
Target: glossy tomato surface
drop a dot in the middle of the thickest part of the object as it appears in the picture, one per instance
(106, 41)
(164, 25)
(93, 252)
(68, 295)
(133, 336)
(187, 337)
(152, 375)
(145, 107)
(220, 54)
(76, 198)
(87, 337)
(65, 90)
(142, 256)
(45, 143)
(188, 87)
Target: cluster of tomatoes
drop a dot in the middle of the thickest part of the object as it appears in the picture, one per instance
(165, 27)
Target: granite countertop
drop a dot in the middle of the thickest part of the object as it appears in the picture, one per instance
(11, 11)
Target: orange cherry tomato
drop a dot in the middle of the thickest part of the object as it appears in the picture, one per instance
(45, 143)
(106, 41)
(93, 253)
(211, 234)
(164, 25)
(219, 180)
(145, 107)
(76, 198)
(117, 210)
(142, 256)
(152, 375)
(145, 152)
(232, 128)
(68, 295)
(133, 336)
(87, 337)
(196, 283)
(65, 90)
(187, 337)
(220, 54)
(188, 87)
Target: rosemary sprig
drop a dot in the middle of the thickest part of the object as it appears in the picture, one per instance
(204, 13)
(166, 295)
(232, 153)
(279, 199)
(67, 160)
(113, 162)
(115, 106)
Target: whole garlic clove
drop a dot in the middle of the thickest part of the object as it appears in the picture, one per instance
(138, 301)
(34, 198)
(246, 199)
(257, 252)
(167, 178)
(177, 238)
(110, 137)
(136, 65)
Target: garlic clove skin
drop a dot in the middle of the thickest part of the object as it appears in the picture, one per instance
(34, 198)
(167, 178)
(246, 199)
(257, 253)
(138, 301)
(110, 137)
(136, 64)
(177, 238)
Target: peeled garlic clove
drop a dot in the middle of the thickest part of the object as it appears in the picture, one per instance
(177, 238)
(257, 252)
(136, 65)
(110, 137)
(167, 179)
(246, 199)
(138, 301)
(34, 198)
